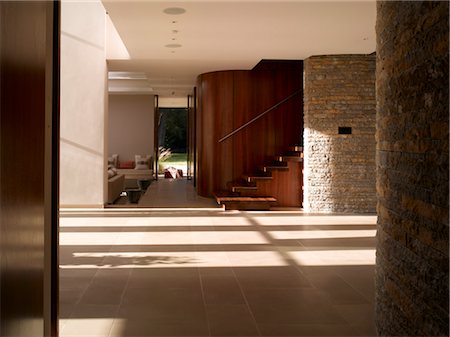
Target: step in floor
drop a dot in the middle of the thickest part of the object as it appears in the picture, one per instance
(232, 202)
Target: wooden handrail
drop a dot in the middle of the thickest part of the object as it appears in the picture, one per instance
(258, 117)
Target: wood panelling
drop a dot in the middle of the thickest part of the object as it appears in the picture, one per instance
(215, 92)
(286, 185)
(28, 170)
(229, 99)
(241, 109)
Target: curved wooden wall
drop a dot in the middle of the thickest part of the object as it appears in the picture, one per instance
(229, 99)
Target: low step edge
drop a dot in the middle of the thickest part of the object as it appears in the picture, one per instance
(243, 188)
(246, 199)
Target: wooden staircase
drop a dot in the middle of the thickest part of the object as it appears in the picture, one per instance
(253, 190)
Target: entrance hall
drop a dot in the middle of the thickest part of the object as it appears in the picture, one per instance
(146, 272)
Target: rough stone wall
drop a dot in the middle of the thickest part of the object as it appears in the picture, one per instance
(339, 169)
(412, 168)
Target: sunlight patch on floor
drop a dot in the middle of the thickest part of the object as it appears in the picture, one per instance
(348, 257)
(216, 273)
(322, 234)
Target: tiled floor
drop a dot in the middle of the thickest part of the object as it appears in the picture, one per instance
(168, 193)
(175, 193)
(215, 273)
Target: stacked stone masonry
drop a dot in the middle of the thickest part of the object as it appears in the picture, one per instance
(412, 289)
(339, 169)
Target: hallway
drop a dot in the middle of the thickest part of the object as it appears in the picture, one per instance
(168, 193)
(215, 273)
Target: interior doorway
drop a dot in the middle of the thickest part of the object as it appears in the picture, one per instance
(172, 142)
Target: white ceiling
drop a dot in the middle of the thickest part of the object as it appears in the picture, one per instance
(224, 35)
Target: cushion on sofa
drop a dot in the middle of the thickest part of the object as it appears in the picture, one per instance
(111, 173)
(142, 162)
(126, 164)
(113, 160)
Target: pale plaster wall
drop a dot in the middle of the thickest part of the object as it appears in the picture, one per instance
(83, 104)
(131, 121)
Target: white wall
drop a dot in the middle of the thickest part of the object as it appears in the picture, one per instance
(83, 104)
(172, 102)
(131, 120)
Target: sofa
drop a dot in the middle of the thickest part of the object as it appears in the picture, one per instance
(136, 174)
(133, 175)
(133, 170)
(115, 187)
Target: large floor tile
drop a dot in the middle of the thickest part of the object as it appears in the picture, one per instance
(164, 313)
(337, 290)
(270, 277)
(70, 296)
(307, 330)
(291, 306)
(216, 271)
(87, 327)
(103, 294)
(250, 258)
(231, 320)
(167, 295)
(174, 305)
(360, 317)
(75, 278)
(220, 289)
(65, 310)
(155, 278)
(114, 277)
(142, 328)
(94, 311)
(361, 278)
(340, 242)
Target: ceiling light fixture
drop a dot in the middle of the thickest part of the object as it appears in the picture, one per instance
(173, 45)
(174, 10)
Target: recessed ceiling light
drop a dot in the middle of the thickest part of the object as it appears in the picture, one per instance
(126, 75)
(174, 10)
(173, 45)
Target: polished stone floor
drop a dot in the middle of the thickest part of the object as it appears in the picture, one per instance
(174, 193)
(207, 272)
(168, 193)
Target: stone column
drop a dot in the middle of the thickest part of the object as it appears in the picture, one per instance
(339, 136)
(412, 168)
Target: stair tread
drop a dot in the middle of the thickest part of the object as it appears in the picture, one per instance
(295, 148)
(257, 176)
(292, 154)
(241, 183)
(232, 196)
(275, 167)
(243, 187)
(245, 198)
(240, 195)
(289, 158)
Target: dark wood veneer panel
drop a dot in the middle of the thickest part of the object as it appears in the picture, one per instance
(28, 199)
(229, 99)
